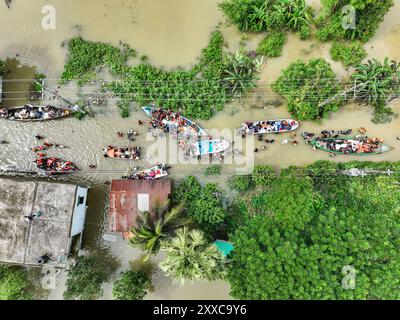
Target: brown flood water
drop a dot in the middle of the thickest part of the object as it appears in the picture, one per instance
(170, 33)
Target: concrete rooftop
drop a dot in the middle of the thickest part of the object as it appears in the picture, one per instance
(22, 241)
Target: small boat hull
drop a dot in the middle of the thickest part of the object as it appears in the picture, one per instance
(270, 126)
(350, 146)
(128, 153)
(206, 147)
(189, 129)
(30, 113)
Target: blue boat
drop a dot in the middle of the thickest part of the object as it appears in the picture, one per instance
(224, 246)
(205, 147)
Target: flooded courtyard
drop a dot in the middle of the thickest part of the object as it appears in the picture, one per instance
(170, 33)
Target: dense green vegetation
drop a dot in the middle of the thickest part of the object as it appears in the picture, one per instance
(153, 228)
(350, 54)
(14, 283)
(369, 14)
(216, 79)
(86, 277)
(306, 85)
(203, 205)
(303, 231)
(378, 84)
(269, 15)
(189, 256)
(132, 285)
(87, 58)
(272, 45)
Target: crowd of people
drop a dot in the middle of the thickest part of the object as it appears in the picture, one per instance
(29, 112)
(131, 153)
(346, 146)
(169, 121)
(54, 165)
(151, 174)
(273, 126)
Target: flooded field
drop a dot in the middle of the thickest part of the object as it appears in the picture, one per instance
(171, 33)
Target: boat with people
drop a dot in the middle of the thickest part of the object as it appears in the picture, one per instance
(269, 126)
(205, 147)
(359, 146)
(173, 122)
(129, 153)
(157, 172)
(34, 113)
(55, 166)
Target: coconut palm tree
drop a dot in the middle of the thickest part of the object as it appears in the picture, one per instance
(238, 75)
(190, 257)
(151, 229)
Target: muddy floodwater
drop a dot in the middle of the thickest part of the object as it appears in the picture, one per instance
(171, 33)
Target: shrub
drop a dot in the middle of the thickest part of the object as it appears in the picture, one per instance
(307, 86)
(14, 283)
(272, 45)
(85, 278)
(349, 54)
(214, 170)
(132, 285)
(263, 175)
(240, 183)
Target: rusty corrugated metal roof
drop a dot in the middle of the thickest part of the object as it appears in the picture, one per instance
(124, 200)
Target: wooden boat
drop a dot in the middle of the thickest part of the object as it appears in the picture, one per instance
(270, 126)
(156, 172)
(55, 166)
(174, 122)
(351, 146)
(34, 113)
(130, 153)
(205, 147)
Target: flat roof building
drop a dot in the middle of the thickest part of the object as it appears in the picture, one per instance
(130, 197)
(40, 219)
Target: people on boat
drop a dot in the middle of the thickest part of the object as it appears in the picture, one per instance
(270, 126)
(53, 165)
(150, 174)
(132, 153)
(167, 120)
(346, 146)
(29, 112)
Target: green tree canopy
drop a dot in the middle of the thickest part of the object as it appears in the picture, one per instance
(13, 283)
(298, 246)
(203, 205)
(305, 85)
(132, 285)
(86, 277)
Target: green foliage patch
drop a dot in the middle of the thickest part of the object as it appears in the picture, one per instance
(306, 85)
(132, 285)
(349, 54)
(272, 45)
(313, 224)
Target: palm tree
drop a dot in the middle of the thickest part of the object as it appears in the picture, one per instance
(239, 73)
(189, 257)
(379, 82)
(151, 229)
